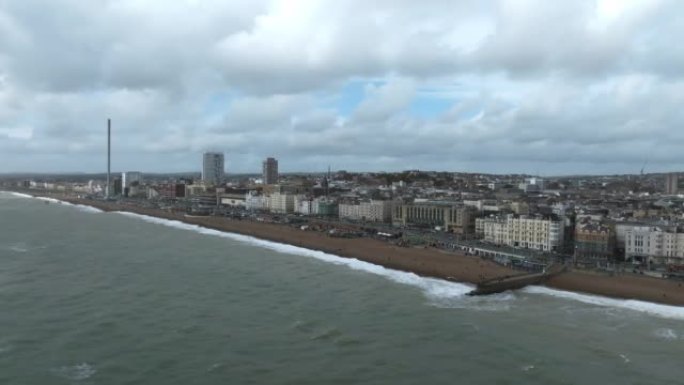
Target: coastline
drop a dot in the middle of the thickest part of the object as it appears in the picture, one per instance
(428, 262)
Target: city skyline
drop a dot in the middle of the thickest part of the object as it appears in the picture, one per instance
(467, 86)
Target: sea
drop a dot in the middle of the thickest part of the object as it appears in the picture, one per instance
(88, 297)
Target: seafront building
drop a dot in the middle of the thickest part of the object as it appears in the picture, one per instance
(371, 211)
(270, 171)
(662, 245)
(255, 201)
(594, 241)
(213, 168)
(450, 217)
(529, 232)
(130, 179)
(281, 202)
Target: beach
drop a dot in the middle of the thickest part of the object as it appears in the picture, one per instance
(424, 261)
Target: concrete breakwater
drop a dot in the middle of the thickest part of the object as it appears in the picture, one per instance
(515, 282)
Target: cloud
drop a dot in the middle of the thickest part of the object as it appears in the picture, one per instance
(494, 85)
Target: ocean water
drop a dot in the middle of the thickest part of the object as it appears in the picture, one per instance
(111, 298)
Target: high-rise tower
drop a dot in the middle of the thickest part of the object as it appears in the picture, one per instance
(213, 168)
(109, 158)
(672, 183)
(270, 171)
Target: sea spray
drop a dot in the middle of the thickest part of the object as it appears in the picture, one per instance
(20, 195)
(443, 293)
(88, 209)
(433, 288)
(665, 311)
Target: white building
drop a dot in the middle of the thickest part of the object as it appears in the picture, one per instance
(657, 244)
(130, 177)
(304, 205)
(281, 203)
(523, 231)
(373, 211)
(254, 201)
(213, 168)
(233, 200)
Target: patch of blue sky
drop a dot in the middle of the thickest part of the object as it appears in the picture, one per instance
(352, 95)
(429, 107)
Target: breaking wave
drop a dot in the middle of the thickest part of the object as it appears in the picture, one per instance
(20, 195)
(84, 208)
(435, 289)
(441, 293)
(665, 311)
(666, 334)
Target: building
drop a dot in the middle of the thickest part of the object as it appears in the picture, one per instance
(304, 205)
(531, 185)
(171, 190)
(325, 207)
(213, 168)
(594, 241)
(454, 218)
(117, 186)
(270, 171)
(255, 201)
(283, 203)
(371, 211)
(662, 245)
(672, 183)
(130, 178)
(529, 232)
(232, 200)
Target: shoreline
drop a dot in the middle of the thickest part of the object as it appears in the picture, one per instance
(426, 262)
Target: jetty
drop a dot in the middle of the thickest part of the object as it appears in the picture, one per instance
(515, 282)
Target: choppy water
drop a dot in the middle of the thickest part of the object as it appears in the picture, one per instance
(106, 298)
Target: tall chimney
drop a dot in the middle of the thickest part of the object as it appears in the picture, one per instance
(109, 156)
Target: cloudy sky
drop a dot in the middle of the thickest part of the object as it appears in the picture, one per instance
(534, 86)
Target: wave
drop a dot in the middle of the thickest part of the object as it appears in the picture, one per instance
(655, 309)
(20, 195)
(77, 372)
(87, 209)
(18, 248)
(433, 288)
(441, 293)
(666, 334)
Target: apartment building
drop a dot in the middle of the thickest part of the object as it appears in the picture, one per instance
(530, 232)
(458, 219)
(372, 211)
(658, 244)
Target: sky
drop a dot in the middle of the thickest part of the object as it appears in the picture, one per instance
(509, 86)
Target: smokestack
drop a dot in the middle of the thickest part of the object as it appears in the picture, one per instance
(109, 156)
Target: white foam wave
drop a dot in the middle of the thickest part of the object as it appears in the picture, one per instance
(433, 288)
(442, 293)
(20, 195)
(655, 309)
(18, 249)
(666, 334)
(88, 209)
(77, 372)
